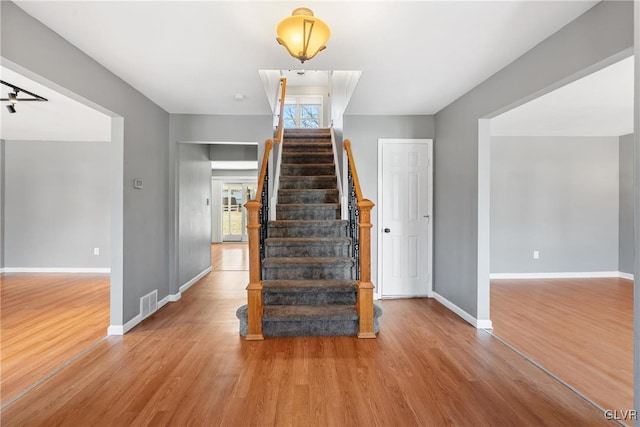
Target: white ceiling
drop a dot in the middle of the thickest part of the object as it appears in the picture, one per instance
(416, 57)
(600, 104)
(59, 119)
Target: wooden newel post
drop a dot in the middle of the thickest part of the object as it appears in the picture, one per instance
(254, 288)
(365, 287)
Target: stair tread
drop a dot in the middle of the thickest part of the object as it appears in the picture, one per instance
(308, 222)
(317, 261)
(307, 205)
(309, 285)
(305, 241)
(306, 152)
(297, 177)
(292, 313)
(308, 190)
(308, 165)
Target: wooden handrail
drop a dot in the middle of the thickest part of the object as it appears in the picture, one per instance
(364, 301)
(352, 167)
(283, 84)
(255, 305)
(268, 145)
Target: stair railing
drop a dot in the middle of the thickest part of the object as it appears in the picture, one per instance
(257, 218)
(278, 152)
(341, 195)
(360, 233)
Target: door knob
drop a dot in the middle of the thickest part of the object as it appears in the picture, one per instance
(386, 230)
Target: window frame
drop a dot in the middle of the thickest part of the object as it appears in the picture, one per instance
(299, 101)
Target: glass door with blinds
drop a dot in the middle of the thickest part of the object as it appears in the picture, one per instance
(234, 215)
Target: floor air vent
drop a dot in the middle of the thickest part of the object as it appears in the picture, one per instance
(148, 304)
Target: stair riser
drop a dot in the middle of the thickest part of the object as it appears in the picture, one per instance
(307, 170)
(320, 327)
(301, 149)
(309, 272)
(328, 196)
(307, 213)
(308, 251)
(310, 328)
(309, 137)
(308, 298)
(308, 231)
(306, 158)
(308, 183)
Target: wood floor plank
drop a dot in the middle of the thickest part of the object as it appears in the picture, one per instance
(46, 320)
(579, 329)
(186, 365)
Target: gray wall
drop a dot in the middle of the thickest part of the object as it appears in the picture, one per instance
(233, 152)
(221, 173)
(636, 211)
(57, 204)
(194, 216)
(2, 183)
(597, 38)
(556, 195)
(143, 217)
(364, 132)
(204, 128)
(625, 243)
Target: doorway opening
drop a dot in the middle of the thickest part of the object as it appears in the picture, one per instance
(67, 251)
(234, 215)
(560, 185)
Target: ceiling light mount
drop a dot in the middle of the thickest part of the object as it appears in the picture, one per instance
(302, 34)
(13, 99)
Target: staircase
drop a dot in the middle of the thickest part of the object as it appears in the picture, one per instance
(308, 272)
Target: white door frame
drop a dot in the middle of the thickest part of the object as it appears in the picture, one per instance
(240, 179)
(429, 143)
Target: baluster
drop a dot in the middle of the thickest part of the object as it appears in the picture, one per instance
(360, 233)
(264, 217)
(258, 215)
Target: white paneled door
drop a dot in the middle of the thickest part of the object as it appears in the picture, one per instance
(405, 223)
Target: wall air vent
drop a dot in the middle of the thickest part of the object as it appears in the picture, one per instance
(149, 304)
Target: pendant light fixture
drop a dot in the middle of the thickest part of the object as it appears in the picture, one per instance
(302, 34)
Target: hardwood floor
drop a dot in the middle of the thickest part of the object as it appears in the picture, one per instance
(46, 320)
(579, 329)
(186, 365)
(230, 256)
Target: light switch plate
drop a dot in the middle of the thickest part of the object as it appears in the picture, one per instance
(137, 183)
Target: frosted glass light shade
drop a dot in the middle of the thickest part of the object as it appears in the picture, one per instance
(302, 34)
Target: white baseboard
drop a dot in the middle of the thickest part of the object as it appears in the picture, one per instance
(169, 298)
(567, 275)
(54, 270)
(477, 323)
(195, 279)
(627, 276)
(123, 329)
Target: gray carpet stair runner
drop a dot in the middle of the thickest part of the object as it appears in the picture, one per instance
(307, 272)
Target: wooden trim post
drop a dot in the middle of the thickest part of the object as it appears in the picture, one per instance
(254, 288)
(365, 287)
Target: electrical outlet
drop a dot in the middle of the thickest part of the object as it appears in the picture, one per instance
(96, 251)
(536, 255)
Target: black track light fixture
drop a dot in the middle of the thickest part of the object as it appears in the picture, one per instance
(13, 99)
